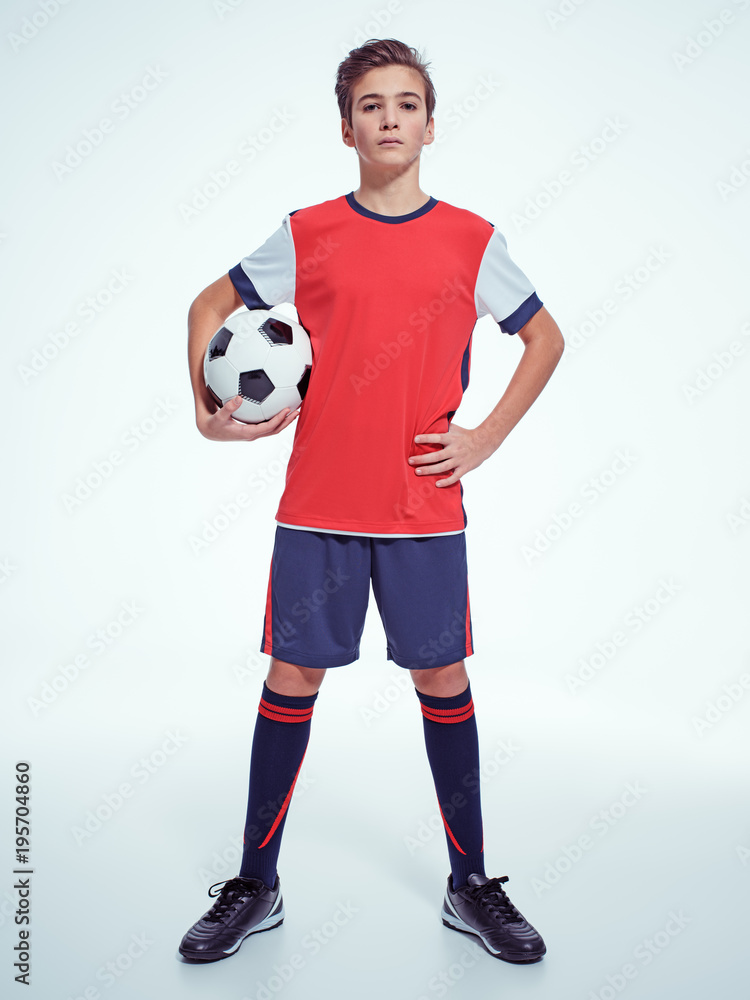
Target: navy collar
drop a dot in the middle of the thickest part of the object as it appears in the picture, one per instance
(427, 207)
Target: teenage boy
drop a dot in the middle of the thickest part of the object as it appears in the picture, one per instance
(389, 282)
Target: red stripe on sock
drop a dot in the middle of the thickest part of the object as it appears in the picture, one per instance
(449, 711)
(459, 718)
(274, 713)
(284, 709)
(449, 714)
(450, 832)
(284, 807)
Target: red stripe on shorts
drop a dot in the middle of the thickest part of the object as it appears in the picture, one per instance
(268, 635)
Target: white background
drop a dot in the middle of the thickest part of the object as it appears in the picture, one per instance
(520, 93)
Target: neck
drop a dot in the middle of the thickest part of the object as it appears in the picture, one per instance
(390, 196)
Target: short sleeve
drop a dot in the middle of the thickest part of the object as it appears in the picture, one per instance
(502, 290)
(266, 277)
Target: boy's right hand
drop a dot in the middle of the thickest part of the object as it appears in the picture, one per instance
(220, 426)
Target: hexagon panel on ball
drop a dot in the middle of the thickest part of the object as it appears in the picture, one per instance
(247, 322)
(222, 378)
(284, 366)
(278, 399)
(248, 353)
(302, 345)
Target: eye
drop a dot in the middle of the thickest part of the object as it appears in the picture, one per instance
(407, 104)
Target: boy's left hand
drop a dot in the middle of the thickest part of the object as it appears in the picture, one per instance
(463, 449)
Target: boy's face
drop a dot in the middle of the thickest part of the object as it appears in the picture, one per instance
(388, 102)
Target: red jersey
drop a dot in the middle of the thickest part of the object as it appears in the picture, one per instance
(390, 304)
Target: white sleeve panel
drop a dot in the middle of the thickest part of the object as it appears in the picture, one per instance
(501, 284)
(267, 277)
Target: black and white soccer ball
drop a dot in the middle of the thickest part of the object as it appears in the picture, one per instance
(263, 356)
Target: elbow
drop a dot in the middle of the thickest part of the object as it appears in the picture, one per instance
(559, 343)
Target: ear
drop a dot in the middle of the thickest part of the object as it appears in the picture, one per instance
(347, 134)
(429, 133)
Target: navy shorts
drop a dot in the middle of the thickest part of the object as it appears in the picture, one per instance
(319, 588)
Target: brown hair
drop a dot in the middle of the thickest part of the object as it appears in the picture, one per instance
(374, 53)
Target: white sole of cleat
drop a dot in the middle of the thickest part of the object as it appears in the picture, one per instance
(452, 920)
(273, 919)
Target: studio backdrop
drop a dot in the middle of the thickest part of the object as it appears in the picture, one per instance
(148, 147)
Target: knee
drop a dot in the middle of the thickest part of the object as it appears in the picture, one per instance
(442, 682)
(292, 679)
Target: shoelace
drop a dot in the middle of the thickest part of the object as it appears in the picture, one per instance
(492, 897)
(234, 888)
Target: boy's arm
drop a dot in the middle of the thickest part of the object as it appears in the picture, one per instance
(207, 313)
(464, 449)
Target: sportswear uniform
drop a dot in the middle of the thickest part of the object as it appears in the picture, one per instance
(390, 304)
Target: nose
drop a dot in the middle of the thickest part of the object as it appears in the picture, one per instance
(389, 119)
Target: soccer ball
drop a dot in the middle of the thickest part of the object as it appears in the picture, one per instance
(263, 356)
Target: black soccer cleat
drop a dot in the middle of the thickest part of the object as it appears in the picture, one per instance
(245, 906)
(481, 907)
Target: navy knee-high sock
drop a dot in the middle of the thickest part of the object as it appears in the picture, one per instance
(450, 734)
(282, 732)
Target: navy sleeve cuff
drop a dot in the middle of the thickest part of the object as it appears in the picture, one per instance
(246, 289)
(522, 315)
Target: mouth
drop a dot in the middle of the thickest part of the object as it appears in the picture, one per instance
(389, 142)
